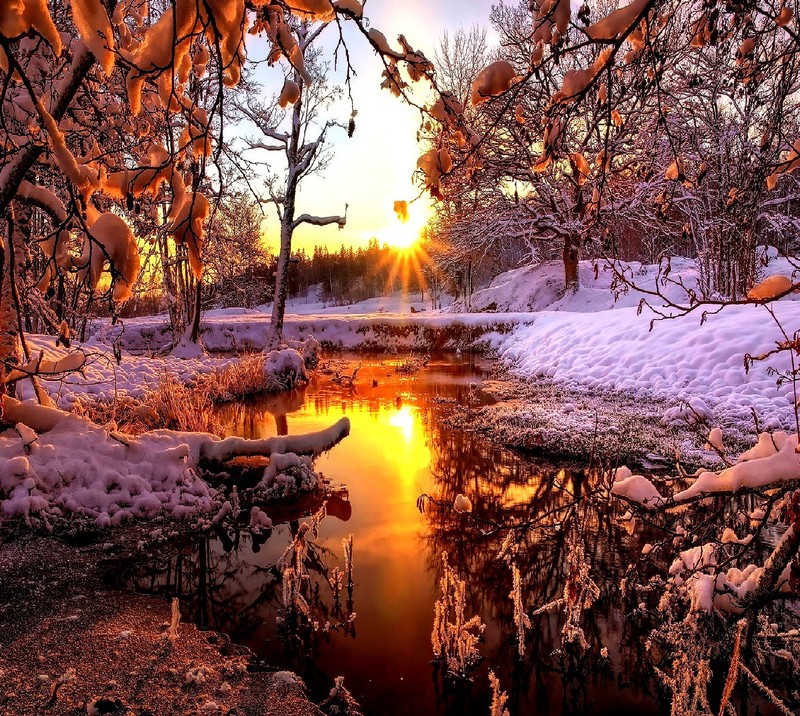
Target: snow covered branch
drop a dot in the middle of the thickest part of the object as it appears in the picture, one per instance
(308, 444)
(319, 220)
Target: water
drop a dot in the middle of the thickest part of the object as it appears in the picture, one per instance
(397, 451)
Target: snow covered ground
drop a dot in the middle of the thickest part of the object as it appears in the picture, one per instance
(679, 358)
(240, 329)
(102, 378)
(593, 338)
(590, 339)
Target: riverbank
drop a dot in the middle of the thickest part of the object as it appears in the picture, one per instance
(234, 330)
(70, 644)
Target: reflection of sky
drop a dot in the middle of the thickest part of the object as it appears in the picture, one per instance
(373, 169)
(396, 450)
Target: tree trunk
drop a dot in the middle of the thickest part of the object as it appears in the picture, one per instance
(287, 219)
(571, 281)
(282, 273)
(196, 318)
(9, 333)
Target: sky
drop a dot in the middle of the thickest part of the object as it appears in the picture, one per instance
(374, 168)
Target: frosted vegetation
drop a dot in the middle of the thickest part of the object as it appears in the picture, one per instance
(651, 146)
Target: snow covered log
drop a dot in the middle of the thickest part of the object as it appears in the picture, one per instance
(308, 444)
(55, 465)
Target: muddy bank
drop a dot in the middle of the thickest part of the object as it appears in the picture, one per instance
(70, 645)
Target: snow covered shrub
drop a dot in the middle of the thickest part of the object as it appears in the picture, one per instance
(580, 591)
(284, 369)
(499, 697)
(340, 701)
(308, 348)
(303, 611)
(181, 407)
(729, 555)
(454, 637)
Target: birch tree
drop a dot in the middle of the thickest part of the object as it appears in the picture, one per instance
(295, 128)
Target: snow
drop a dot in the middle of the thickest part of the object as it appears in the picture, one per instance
(678, 359)
(635, 488)
(770, 287)
(589, 339)
(113, 241)
(335, 328)
(187, 349)
(714, 440)
(92, 21)
(353, 6)
(541, 287)
(18, 17)
(187, 228)
(616, 22)
(285, 366)
(74, 467)
(102, 378)
(782, 465)
(491, 81)
(289, 94)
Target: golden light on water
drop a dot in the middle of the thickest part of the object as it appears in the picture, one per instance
(403, 420)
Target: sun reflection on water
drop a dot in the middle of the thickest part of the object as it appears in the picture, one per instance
(403, 420)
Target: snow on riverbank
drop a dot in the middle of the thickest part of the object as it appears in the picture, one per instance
(592, 338)
(239, 329)
(103, 378)
(679, 358)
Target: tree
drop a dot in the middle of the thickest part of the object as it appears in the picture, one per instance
(678, 119)
(309, 97)
(237, 260)
(114, 123)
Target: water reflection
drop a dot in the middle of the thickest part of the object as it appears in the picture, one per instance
(398, 450)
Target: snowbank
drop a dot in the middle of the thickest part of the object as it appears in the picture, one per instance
(679, 358)
(229, 330)
(56, 465)
(541, 287)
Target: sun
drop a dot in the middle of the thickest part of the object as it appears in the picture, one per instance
(405, 234)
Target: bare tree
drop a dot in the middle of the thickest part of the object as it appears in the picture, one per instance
(299, 135)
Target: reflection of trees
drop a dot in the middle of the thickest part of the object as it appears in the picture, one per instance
(232, 582)
(247, 418)
(546, 505)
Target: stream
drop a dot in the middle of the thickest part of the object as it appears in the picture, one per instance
(378, 635)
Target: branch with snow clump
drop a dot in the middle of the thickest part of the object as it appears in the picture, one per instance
(772, 462)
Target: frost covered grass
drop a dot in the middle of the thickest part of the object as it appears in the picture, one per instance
(241, 378)
(169, 404)
(182, 407)
(455, 637)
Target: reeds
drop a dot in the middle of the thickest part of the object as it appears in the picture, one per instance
(455, 638)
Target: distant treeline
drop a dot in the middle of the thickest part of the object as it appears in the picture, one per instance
(351, 275)
(341, 277)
